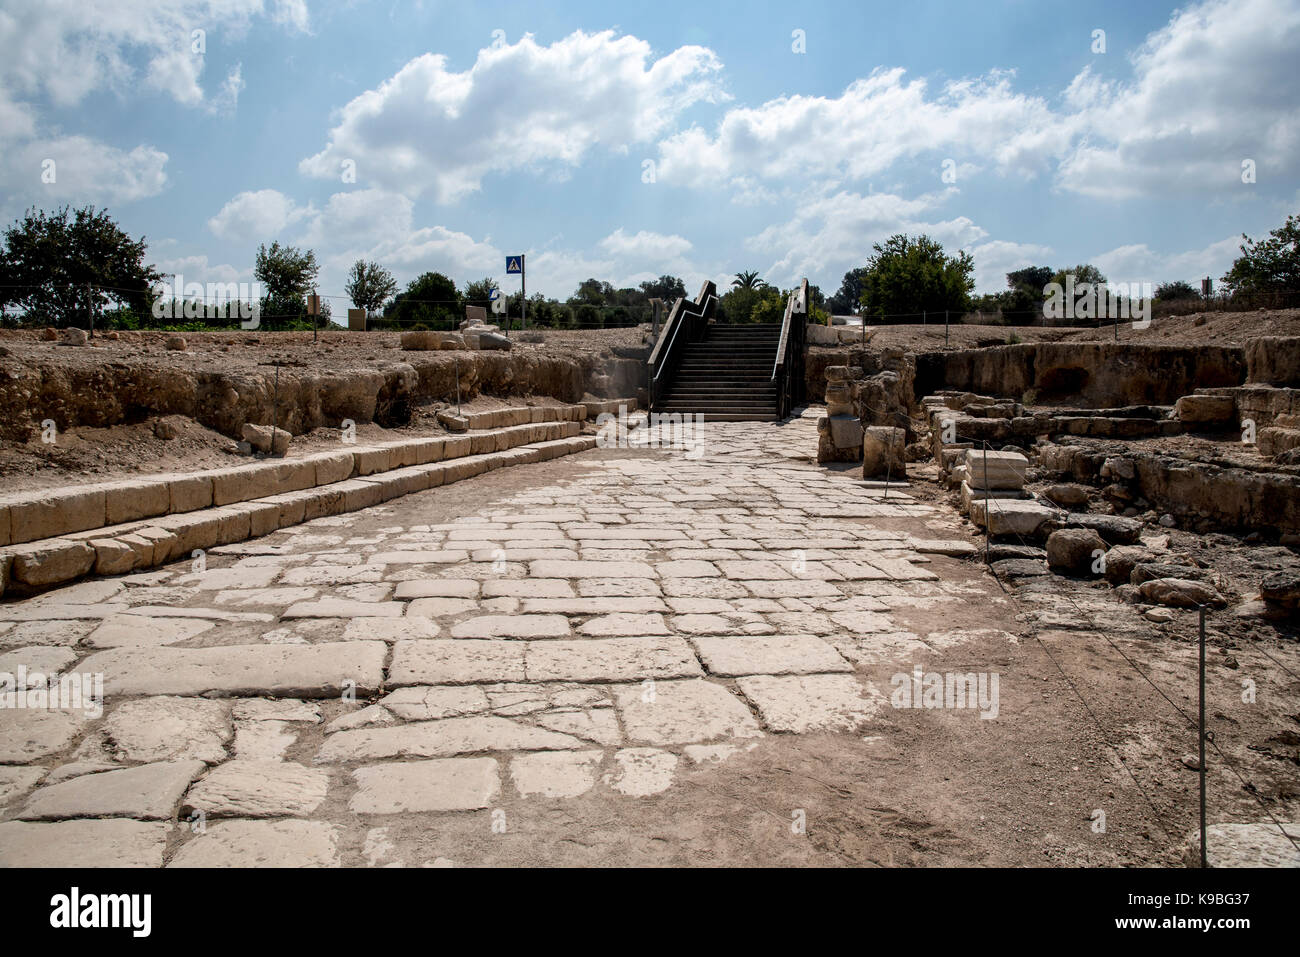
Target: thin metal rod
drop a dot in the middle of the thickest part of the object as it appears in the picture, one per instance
(1204, 853)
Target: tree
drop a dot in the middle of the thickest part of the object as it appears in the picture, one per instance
(369, 286)
(1082, 273)
(285, 271)
(479, 292)
(667, 288)
(849, 297)
(49, 258)
(908, 276)
(287, 274)
(751, 304)
(748, 279)
(592, 292)
(1268, 265)
(1170, 291)
(1022, 305)
(430, 300)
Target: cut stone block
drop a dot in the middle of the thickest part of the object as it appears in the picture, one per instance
(83, 844)
(244, 844)
(611, 659)
(147, 793)
(1023, 517)
(769, 655)
(995, 470)
(258, 789)
(555, 774)
(805, 703)
(682, 712)
(310, 671)
(448, 784)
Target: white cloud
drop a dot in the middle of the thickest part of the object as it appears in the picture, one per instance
(877, 121)
(1214, 87)
(198, 269)
(1139, 263)
(996, 258)
(82, 170)
(829, 235)
(645, 246)
(66, 49)
(258, 215)
(520, 106)
(1217, 85)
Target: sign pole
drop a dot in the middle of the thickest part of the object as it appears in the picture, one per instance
(523, 293)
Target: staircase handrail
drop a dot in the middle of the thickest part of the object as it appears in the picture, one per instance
(666, 349)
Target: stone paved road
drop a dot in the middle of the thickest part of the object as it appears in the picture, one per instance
(337, 692)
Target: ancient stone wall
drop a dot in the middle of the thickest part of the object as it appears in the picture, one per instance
(1095, 374)
(122, 392)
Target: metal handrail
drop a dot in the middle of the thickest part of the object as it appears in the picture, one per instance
(683, 313)
(785, 335)
(666, 338)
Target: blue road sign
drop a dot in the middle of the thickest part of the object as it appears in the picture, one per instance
(514, 264)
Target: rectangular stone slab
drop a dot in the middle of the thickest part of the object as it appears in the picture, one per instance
(611, 659)
(308, 671)
(148, 792)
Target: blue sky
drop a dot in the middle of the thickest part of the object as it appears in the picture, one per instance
(477, 130)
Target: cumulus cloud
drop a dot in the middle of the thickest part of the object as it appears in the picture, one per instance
(876, 122)
(831, 234)
(80, 169)
(255, 215)
(1212, 88)
(429, 129)
(1139, 263)
(646, 246)
(66, 49)
(996, 258)
(63, 50)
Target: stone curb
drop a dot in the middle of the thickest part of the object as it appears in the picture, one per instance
(33, 516)
(136, 545)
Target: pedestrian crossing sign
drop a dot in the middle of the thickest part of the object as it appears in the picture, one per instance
(514, 264)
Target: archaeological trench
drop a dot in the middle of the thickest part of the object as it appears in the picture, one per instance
(1161, 477)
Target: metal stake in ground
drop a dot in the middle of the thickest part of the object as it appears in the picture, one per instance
(275, 406)
(1204, 853)
(988, 516)
(457, 385)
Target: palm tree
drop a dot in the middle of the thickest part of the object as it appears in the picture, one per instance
(748, 280)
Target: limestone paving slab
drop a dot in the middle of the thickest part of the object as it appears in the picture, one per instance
(611, 659)
(806, 703)
(111, 842)
(445, 738)
(255, 789)
(444, 784)
(456, 661)
(768, 655)
(148, 792)
(262, 844)
(555, 774)
(682, 712)
(309, 671)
